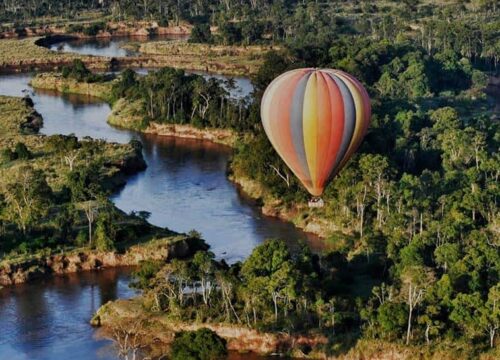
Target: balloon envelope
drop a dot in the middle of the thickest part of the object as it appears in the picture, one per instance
(315, 119)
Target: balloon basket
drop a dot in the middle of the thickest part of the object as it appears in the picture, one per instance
(316, 202)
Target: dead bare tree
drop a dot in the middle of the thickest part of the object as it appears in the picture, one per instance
(70, 159)
(128, 336)
(285, 177)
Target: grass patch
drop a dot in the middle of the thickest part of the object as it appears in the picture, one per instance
(236, 60)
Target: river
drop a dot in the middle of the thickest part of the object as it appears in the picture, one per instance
(184, 187)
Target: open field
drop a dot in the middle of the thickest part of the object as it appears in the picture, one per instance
(55, 81)
(234, 60)
(26, 54)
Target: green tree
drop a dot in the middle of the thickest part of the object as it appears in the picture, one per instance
(201, 34)
(27, 197)
(202, 344)
(392, 317)
(105, 231)
(466, 313)
(22, 152)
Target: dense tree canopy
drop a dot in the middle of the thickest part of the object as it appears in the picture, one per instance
(469, 28)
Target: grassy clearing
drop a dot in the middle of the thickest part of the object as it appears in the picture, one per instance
(19, 52)
(14, 114)
(236, 60)
(127, 115)
(55, 81)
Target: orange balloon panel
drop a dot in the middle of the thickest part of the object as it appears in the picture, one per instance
(315, 119)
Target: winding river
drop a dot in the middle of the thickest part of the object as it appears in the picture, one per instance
(184, 187)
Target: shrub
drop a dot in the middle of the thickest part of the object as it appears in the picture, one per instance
(7, 155)
(94, 29)
(75, 28)
(147, 270)
(203, 344)
(22, 152)
(82, 238)
(201, 34)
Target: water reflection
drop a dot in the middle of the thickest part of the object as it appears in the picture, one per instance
(111, 47)
(49, 319)
(185, 187)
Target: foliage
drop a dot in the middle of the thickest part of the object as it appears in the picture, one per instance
(53, 186)
(172, 96)
(201, 34)
(79, 72)
(147, 271)
(202, 344)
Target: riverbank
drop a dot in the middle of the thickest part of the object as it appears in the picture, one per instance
(26, 55)
(154, 332)
(127, 313)
(56, 82)
(20, 124)
(126, 115)
(31, 267)
(310, 220)
(31, 54)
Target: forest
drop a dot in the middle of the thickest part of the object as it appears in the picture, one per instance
(469, 27)
(54, 189)
(415, 213)
(417, 208)
(172, 96)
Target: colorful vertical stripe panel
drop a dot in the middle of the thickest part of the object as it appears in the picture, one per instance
(315, 119)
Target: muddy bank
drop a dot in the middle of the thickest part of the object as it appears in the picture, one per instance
(125, 115)
(30, 268)
(32, 54)
(309, 220)
(158, 331)
(221, 136)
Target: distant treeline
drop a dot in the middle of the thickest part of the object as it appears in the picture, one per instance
(470, 28)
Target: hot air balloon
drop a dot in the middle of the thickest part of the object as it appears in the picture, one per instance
(315, 119)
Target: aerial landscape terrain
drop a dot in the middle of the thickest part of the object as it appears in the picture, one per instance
(249, 179)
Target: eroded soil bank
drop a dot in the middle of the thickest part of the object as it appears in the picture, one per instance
(30, 268)
(130, 313)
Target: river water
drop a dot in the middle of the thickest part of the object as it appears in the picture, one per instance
(184, 187)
